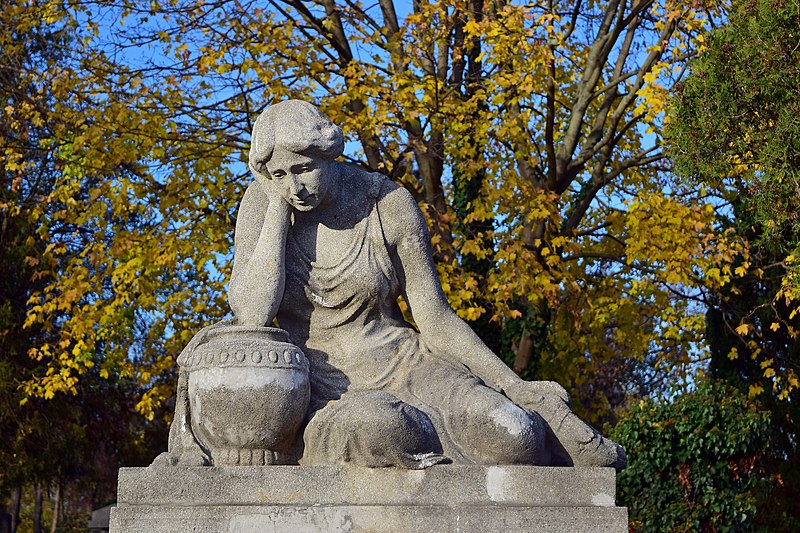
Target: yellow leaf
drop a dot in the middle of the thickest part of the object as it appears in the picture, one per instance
(775, 326)
(743, 329)
(755, 390)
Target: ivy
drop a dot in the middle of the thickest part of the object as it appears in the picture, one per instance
(695, 463)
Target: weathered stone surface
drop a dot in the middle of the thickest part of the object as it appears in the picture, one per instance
(242, 397)
(100, 519)
(349, 498)
(382, 519)
(350, 485)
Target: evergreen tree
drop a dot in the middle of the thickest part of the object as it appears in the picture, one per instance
(734, 131)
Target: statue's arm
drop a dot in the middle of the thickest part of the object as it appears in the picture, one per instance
(573, 441)
(257, 282)
(440, 327)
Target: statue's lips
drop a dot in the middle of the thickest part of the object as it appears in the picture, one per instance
(307, 201)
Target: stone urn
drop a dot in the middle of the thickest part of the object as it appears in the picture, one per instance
(248, 394)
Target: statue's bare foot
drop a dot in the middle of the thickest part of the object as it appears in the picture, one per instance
(600, 452)
(583, 444)
(190, 458)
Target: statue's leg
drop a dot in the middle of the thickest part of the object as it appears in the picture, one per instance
(372, 429)
(490, 429)
(484, 426)
(573, 442)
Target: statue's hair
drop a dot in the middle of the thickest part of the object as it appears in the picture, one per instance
(296, 126)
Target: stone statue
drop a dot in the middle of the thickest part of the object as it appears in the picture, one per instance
(326, 250)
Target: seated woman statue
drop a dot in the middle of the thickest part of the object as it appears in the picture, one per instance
(327, 249)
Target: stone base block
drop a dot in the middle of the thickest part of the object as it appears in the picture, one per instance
(301, 499)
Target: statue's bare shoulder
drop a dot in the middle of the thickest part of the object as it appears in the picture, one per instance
(402, 220)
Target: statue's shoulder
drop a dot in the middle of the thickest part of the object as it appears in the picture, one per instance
(397, 210)
(374, 184)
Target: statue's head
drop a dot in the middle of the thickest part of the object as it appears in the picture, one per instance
(295, 126)
(292, 151)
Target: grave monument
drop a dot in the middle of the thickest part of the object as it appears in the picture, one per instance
(347, 418)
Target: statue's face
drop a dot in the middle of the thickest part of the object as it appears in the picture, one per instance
(303, 181)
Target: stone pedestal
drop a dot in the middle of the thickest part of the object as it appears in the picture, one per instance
(299, 499)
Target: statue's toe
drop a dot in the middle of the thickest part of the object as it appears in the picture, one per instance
(600, 452)
(164, 460)
(193, 458)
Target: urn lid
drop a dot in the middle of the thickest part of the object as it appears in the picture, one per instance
(226, 344)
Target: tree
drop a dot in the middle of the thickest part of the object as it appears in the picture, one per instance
(520, 129)
(695, 463)
(734, 131)
(88, 433)
(31, 451)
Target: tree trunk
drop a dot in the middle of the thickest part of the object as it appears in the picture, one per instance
(534, 341)
(56, 507)
(37, 508)
(524, 353)
(13, 508)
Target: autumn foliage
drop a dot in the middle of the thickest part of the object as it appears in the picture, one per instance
(529, 133)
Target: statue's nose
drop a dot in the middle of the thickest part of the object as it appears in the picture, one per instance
(295, 186)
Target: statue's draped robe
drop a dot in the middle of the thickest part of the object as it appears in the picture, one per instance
(380, 395)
